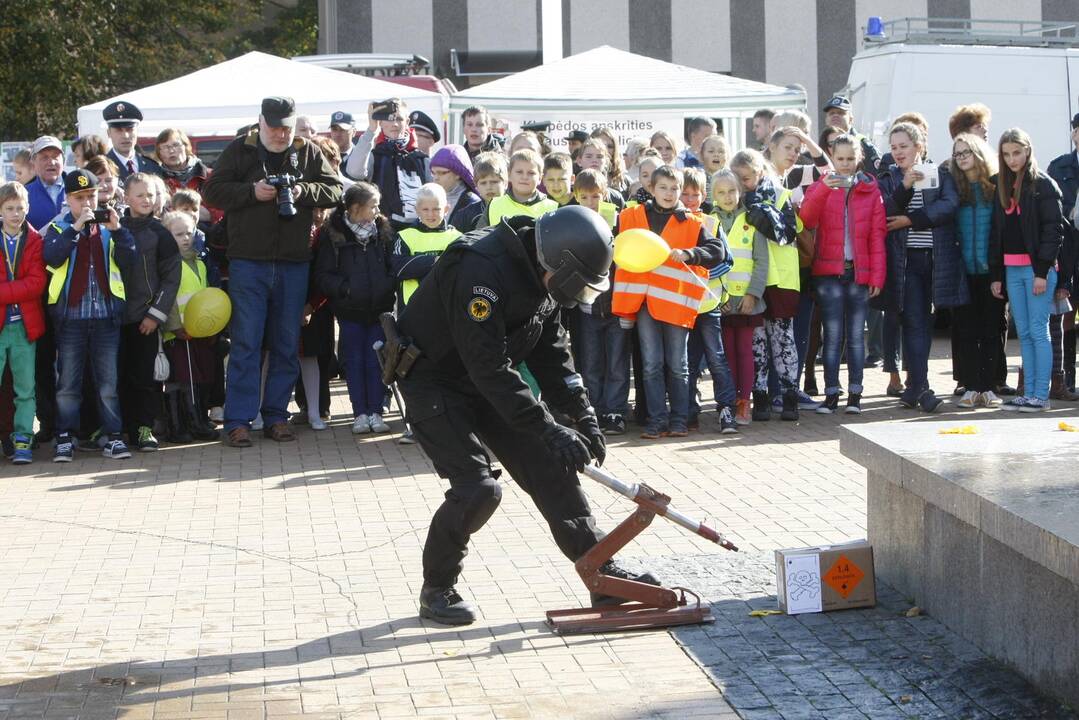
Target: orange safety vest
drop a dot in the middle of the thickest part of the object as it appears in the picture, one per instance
(671, 291)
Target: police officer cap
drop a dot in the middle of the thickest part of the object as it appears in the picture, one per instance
(279, 111)
(121, 114)
(79, 180)
(420, 120)
(342, 120)
(575, 245)
(838, 102)
(577, 136)
(537, 126)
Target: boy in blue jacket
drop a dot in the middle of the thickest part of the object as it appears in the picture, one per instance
(85, 257)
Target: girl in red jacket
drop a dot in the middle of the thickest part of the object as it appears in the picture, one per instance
(849, 263)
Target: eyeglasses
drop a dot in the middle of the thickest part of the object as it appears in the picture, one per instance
(173, 146)
(962, 154)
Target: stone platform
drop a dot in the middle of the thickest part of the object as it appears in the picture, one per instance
(982, 531)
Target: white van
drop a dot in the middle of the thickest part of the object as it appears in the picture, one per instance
(1026, 72)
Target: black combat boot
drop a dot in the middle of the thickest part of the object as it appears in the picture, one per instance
(445, 605)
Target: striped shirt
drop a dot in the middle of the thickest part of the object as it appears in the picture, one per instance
(918, 238)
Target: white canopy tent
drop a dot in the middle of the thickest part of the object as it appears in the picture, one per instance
(633, 94)
(217, 100)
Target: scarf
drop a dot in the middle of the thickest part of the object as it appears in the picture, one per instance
(454, 196)
(389, 157)
(364, 231)
(762, 213)
(183, 176)
(642, 196)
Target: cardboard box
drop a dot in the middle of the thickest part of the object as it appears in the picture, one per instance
(830, 577)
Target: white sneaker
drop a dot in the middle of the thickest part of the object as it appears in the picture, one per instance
(217, 414)
(377, 424)
(257, 423)
(1015, 404)
(989, 399)
(317, 423)
(361, 425)
(969, 400)
(1034, 405)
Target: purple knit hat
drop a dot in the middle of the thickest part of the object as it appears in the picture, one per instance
(455, 159)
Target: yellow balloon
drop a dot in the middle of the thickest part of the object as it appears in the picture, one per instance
(639, 250)
(207, 313)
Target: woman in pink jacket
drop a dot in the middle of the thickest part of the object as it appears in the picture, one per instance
(849, 263)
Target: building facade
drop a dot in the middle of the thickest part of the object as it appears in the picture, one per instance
(806, 42)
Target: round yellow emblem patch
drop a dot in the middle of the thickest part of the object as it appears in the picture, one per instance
(83, 181)
(479, 308)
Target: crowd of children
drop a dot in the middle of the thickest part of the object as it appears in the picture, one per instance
(776, 252)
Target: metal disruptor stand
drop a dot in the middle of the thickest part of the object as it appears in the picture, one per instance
(642, 606)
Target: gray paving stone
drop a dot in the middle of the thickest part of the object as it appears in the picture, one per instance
(874, 663)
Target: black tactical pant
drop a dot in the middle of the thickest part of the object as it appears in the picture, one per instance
(456, 426)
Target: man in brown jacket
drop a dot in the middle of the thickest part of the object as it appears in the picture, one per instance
(268, 182)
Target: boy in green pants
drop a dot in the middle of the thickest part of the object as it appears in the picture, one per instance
(22, 318)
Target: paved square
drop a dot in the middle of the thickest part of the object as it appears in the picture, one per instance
(208, 582)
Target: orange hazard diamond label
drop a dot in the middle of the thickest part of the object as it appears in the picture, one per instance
(844, 576)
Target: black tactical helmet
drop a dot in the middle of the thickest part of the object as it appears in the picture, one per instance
(574, 243)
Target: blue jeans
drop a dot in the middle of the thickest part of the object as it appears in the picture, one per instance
(916, 318)
(706, 347)
(362, 372)
(77, 340)
(1031, 313)
(604, 356)
(663, 343)
(843, 307)
(267, 311)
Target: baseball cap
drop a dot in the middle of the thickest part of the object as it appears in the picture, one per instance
(838, 102)
(577, 136)
(342, 119)
(79, 180)
(279, 111)
(45, 141)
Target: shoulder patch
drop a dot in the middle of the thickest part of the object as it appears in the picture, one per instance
(485, 292)
(479, 308)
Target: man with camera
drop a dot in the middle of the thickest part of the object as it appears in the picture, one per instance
(268, 182)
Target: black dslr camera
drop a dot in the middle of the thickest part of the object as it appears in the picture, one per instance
(284, 183)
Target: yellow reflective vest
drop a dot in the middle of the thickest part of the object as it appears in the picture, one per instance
(718, 292)
(783, 264)
(740, 241)
(60, 280)
(424, 243)
(504, 206)
(192, 279)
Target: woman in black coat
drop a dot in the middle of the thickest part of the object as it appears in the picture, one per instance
(925, 262)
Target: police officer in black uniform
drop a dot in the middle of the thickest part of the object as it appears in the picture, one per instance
(490, 303)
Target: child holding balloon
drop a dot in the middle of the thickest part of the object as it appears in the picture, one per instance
(769, 211)
(191, 360)
(662, 298)
(745, 283)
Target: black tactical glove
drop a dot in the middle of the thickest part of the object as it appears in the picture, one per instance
(567, 446)
(588, 426)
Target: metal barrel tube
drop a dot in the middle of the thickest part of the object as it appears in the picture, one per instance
(603, 477)
(630, 490)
